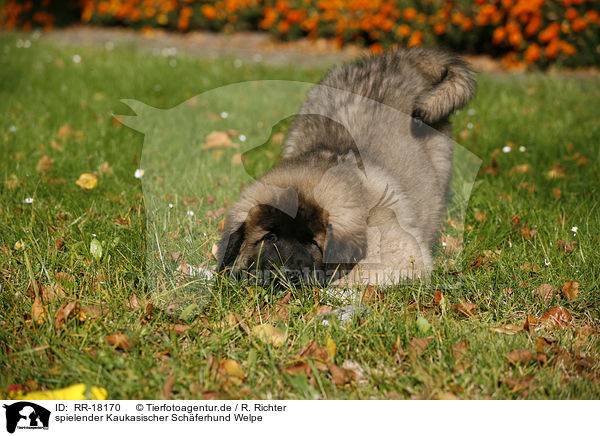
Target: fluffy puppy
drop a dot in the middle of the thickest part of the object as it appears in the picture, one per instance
(362, 190)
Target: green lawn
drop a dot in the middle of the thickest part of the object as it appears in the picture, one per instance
(524, 212)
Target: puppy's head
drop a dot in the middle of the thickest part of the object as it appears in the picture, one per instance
(286, 234)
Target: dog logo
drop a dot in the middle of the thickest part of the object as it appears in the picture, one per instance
(26, 415)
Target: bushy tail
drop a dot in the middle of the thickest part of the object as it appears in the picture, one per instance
(453, 84)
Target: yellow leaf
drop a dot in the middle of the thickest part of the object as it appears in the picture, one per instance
(231, 368)
(38, 312)
(87, 181)
(269, 334)
(76, 392)
(331, 348)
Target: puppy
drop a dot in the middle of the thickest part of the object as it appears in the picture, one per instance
(361, 193)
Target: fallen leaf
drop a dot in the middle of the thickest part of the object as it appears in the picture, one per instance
(520, 356)
(62, 314)
(480, 216)
(545, 292)
(372, 295)
(230, 368)
(313, 350)
(520, 169)
(218, 139)
(556, 193)
(121, 341)
(331, 348)
(570, 290)
(466, 309)
(51, 293)
(418, 345)
(56, 146)
(460, 349)
(87, 181)
(165, 393)
(105, 169)
(350, 365)
(508, 329)
(237, 159)
(38, 312)
(44, 164)
(300, 367)
(96, 249)
(530, 323)
(269, 334)
(566, 246)
(64, 131)
(12, 182)
(339, 376)
(556, 316)
(178, 329)
(557, 171)
(530, 267)
(76, 392)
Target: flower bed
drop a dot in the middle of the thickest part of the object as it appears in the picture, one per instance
(539, 32)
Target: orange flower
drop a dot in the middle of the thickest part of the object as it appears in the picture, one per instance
(295, 16)
(533, 26)
(552, 49)
(376, 48)
(209, 11)
(515, 38)
(549, 33)
(270, 16)
(439, 28)
(457, 18)
(283, 27)
(403, 30)
(499, 35)
(567, 48)
(579, 24)
(571, 14)
(532, 53)
(415, 39)
(591, 16)
(467, 24)
(409, 14)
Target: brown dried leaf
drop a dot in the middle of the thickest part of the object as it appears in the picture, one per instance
(300, 367)
(418, 345)
(121, 341)
(38, 311)
(544, 292)
(530, 267)
(570, 290)
(520, 356)
(44, 164)
(64, 312)
(556, 193)
(508, 329)
(313, 350)
(165, 393)
(556, 316)
(269, 334)
(460, 349)
(64, 131)
(530, 323)
(480, 216)
(218, 139)
(566, 246)
(339, 376)
(466, 309)
(178, 329)
(51, 293)
(520, 169)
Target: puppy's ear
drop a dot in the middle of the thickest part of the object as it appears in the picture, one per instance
(344, 249)
(230, 245)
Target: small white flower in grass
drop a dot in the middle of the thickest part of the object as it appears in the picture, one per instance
(19, 43)
(574, 229)
(242, 138)
(469, 126)
(12, 129)
(19, 244)
(224, 114)
(506, 149)
(546, 262)
(522, 149)
(76, 58)
(190, 212)
(170, 205)
(471, 111)
(139, 173)
(443, 244)
(28, 200)
(26, 43)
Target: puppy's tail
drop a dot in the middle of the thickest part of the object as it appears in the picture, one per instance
(452, 84)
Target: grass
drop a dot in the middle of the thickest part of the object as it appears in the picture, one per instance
(555, 117)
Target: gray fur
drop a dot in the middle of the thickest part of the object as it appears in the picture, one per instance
(381, 176)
